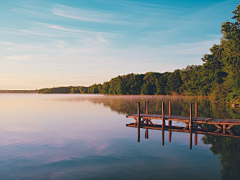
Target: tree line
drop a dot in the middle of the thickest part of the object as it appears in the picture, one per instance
(18, 91)
(217, 77)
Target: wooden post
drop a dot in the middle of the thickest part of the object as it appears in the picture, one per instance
(146, 133)
(169, 121)
(190, 122)
(163, 121)
(195, 109)
(170, 109)
(146, 104)
(195, 139)
(190, 125)
(170, 113)
(138, 111)
(139, 120)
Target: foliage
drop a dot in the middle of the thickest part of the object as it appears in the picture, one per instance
(218, 77)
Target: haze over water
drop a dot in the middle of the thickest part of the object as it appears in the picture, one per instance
(85, 137)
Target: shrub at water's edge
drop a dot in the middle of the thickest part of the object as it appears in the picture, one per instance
(218, 77)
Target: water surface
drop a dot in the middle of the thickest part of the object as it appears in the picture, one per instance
(85, 137)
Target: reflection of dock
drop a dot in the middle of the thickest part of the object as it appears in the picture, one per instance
(193, 124)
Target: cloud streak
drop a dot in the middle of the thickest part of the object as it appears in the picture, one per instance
(81, 14)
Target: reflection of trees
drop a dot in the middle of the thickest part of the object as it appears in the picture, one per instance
(228, 150)
(180, 105)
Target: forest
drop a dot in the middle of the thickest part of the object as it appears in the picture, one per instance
(217, 77)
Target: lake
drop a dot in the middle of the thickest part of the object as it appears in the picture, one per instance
(74, 136)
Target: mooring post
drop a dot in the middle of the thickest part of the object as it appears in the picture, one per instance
(163, 121)
(146, 104)
(195, 109)
(190, 122)
(139, 120)
(170, 113)
(138, 111)
(146, 133)
(190, 125)
(169, 121)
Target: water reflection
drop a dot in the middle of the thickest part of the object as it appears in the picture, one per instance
(85, 137)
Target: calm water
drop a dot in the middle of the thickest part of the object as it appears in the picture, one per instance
(85, 137)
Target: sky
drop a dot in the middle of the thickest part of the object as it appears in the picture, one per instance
(51, 43)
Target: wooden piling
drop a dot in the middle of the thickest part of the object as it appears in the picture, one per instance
(195, 109)
(170, 113)
(163, 121)
(170, 109)
(146, 104)
(138, 111)
(190, 122)
(146, 133)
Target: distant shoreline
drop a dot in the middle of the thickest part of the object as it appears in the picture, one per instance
(17, 91)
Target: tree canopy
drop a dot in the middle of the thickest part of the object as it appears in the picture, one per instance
(217, 77)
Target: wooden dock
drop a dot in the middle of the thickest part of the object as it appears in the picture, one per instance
(223, 126)
(196, 121)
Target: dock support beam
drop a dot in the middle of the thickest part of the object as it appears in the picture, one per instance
(146, 133)
(138, 111)
(146, 104)
(163, 123)
(190, 122)
(169, 121)
(139, 120)
(195, 109)
(190, 125)
(170, 113)
(196, 114)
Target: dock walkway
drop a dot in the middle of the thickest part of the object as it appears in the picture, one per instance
(195, 122)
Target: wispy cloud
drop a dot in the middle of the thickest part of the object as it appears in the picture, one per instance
(81, 14)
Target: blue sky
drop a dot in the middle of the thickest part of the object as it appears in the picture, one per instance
(47, 43)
